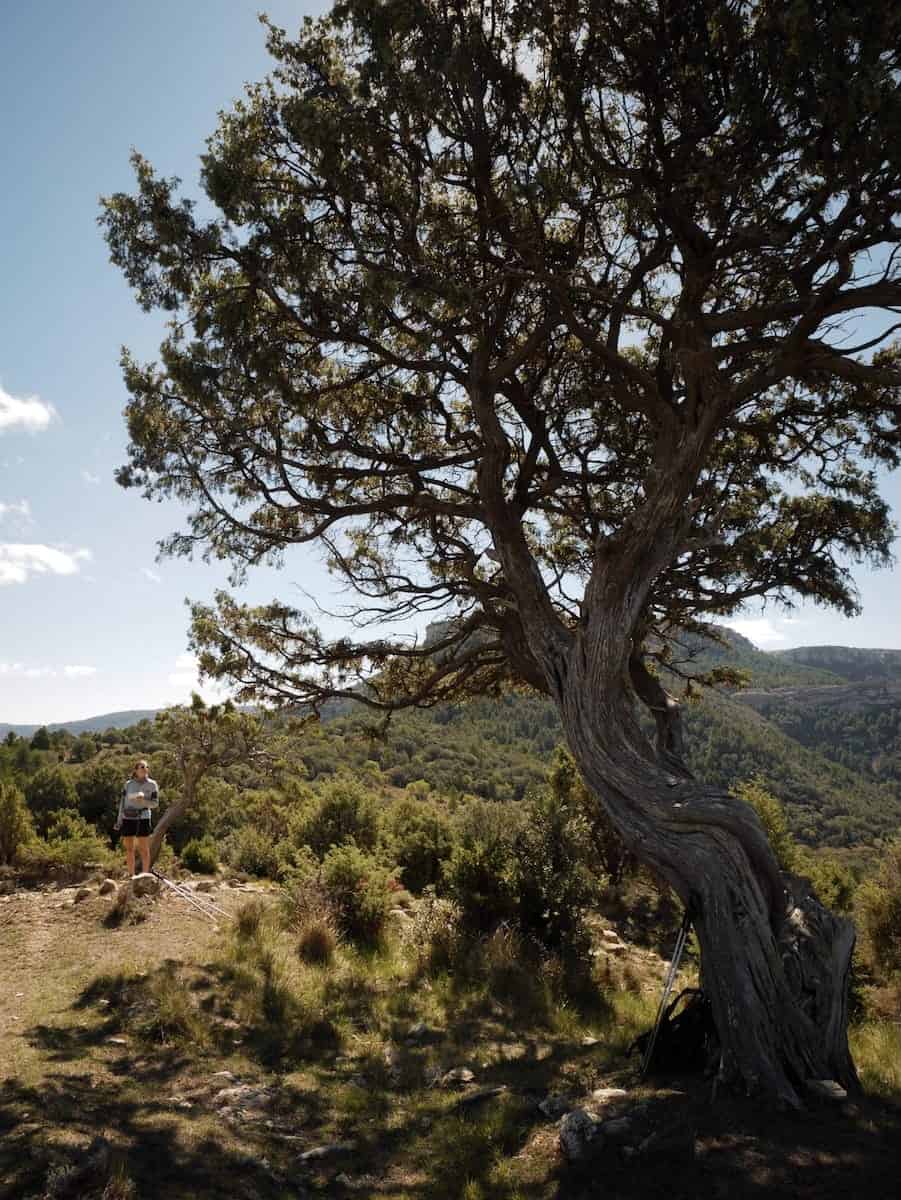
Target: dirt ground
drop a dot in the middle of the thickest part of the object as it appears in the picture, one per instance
(65, 1080)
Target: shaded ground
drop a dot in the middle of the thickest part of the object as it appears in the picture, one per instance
(150, 1104)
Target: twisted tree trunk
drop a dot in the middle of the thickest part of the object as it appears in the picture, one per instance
(775, 963)
(171, 815)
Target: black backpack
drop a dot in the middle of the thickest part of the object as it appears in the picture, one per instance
(684, 1042)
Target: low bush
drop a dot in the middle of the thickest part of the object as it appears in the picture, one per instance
(417, 836)
(249, 849)
(16, 826)
(317, 937)
(344, 812)
(878, 911)
(360, 888)
(201, 855)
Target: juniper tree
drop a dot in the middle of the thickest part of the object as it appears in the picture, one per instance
(542, 317)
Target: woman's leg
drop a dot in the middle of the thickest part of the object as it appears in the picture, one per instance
(144, 847)
(130, 854)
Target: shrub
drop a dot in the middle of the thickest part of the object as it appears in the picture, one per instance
(98, 788)
(435, 939)
(249, 849)
(64, 826)
(417, 836)
(773, 819)
(48, 791)
(609, 853)
(200, 854)
(557, 884)
(482, 875)
(832, 882)
(318, 936)
(16, 826)
(358, 887)
(878, 911)
(345, 812)
(249, 918)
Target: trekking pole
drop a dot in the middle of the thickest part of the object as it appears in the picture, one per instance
(207, 907)
(667, 988)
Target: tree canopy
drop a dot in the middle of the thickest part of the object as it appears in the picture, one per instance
(522, 310)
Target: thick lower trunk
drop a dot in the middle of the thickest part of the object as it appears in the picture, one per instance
(775, 963)
(167, 820)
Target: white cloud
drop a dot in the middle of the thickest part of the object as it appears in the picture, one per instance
(760, 630)
(79, 672)
(151, 575)
(21, 509)
(23, 672)
(89, 478)
(28, 413)
(19, 560)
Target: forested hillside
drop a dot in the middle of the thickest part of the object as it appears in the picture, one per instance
(828, 746)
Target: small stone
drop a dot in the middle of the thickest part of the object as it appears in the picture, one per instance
(580, 1135)
(457, 1077)
(826, 1089)
(618, 1130)
(588, 1040)
(205, 885)
(223, 1075)
(610, 935)
(83, 894)
(471, 1099)
(108, 885)
(117, 1041)
(605, 1095)
(145, 885)
(329, 1150)
(421, 1032)
(185, 1104)
(553, 1107)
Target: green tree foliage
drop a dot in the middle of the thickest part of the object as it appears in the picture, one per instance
(200, 854)
(360, 888)
(16, 826)
(98, 786)
(773, 819)
(569, 792)
(878, 911)
(41, 739)
(84, 748)
(344, 812)
(417, 835)
(48, 791)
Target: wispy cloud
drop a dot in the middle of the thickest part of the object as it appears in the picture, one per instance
(20, 560)
(151, 575)
(88, 477)
(28, 414)
(20, 509)
(21, 671)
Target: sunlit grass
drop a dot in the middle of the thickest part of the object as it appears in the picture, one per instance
(876, 1048)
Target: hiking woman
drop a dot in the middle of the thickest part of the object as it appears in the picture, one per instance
(139, 796)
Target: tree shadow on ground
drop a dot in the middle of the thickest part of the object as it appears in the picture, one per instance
(49, 1127)
(741, 1150)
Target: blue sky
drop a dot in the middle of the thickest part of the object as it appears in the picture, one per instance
(89, 621)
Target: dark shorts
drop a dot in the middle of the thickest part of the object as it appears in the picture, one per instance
(135, 827)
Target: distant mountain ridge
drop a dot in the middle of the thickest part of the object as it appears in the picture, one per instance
(114, 720)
